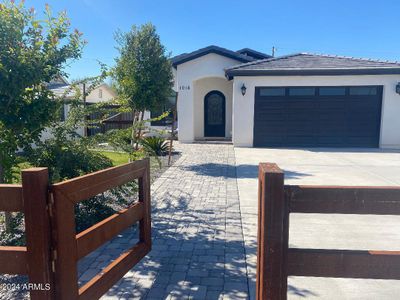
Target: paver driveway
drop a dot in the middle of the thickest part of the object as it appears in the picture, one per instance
(325, 167)
(198, 248)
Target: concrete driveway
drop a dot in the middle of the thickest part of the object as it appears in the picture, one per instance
(325, 167)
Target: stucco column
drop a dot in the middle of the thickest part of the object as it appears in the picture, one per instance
(186, 114)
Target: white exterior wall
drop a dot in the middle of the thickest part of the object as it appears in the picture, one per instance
(207, 66)
(107, 94)
(243, 106)
(92, 97)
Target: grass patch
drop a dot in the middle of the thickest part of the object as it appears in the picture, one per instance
(118, 158)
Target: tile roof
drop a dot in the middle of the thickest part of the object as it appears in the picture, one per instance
(182, 58)
(313, 64)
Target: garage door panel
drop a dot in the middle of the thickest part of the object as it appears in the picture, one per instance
(300, 105)
(360, 141)
(270, 115)
(330, 141)
(271, 105)
(320, 121)
(294, 141)
(331, 106)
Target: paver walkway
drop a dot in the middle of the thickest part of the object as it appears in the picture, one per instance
(198, 249)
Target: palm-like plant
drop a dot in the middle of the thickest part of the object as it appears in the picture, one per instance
(155, 145)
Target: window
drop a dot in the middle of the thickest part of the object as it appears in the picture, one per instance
(62, 113)
(100, 93)
(332, 91)
(272, 92)
(363, 90)
(169, 105)
(302, 91)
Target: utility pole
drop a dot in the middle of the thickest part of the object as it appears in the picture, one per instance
(273, 51)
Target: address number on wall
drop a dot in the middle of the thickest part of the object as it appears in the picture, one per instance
(184, 87)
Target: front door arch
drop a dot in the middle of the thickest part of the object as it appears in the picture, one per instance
(214, 114)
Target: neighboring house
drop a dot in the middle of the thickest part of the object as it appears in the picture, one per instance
(299, 100)
(61, 87)
(124, 120)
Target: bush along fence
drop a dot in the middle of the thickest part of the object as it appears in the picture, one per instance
(276, 261)
(53, 248)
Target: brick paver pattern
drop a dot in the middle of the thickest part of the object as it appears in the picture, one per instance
(198, 248)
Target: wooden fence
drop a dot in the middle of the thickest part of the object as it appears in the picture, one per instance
(52, 246)
(276, 261)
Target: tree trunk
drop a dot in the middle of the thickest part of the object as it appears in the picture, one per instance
(140, 130)
(1, 174)
(133, 133)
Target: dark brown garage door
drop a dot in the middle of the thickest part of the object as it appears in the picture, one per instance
(317, 116)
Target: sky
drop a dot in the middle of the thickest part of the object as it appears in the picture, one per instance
(356, 28)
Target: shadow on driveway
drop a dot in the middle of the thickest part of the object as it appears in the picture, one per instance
(246, 171)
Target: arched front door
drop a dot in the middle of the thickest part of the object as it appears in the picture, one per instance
(214, 114)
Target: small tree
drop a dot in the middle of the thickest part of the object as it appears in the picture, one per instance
(32, 53)
(143, 72)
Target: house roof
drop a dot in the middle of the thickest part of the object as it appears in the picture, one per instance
(182, 58)
(69, 92)
(57, 81)
(253, 53)
(313, 64)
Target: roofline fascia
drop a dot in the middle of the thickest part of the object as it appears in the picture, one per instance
(191, 57)
(308, 72)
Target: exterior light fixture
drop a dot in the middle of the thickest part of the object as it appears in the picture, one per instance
(398, 88)
(243, 89)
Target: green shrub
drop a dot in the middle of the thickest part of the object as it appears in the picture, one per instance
(155, 145)
(67, 158)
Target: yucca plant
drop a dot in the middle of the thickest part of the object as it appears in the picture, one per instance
(155, 145)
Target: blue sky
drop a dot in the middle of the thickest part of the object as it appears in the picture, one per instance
(367, 28)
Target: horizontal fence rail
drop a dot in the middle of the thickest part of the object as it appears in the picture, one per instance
(95, 236)
(13, 260)
(11, 199)
(344, 200)
(276, 261)
(84, 187)
(71, 246)
(344, 263)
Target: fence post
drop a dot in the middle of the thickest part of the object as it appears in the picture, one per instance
(271, 280)
(35, 184)
(145, 198)
(66, 278)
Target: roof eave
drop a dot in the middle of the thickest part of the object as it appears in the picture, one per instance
(310, 72)
(197, 55)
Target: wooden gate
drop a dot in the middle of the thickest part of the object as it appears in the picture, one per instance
(52, 246)
(276, 261)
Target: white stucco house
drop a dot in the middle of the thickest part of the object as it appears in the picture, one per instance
(299, 100)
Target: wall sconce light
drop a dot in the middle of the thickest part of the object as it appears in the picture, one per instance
(243, 89)
(398, 88)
